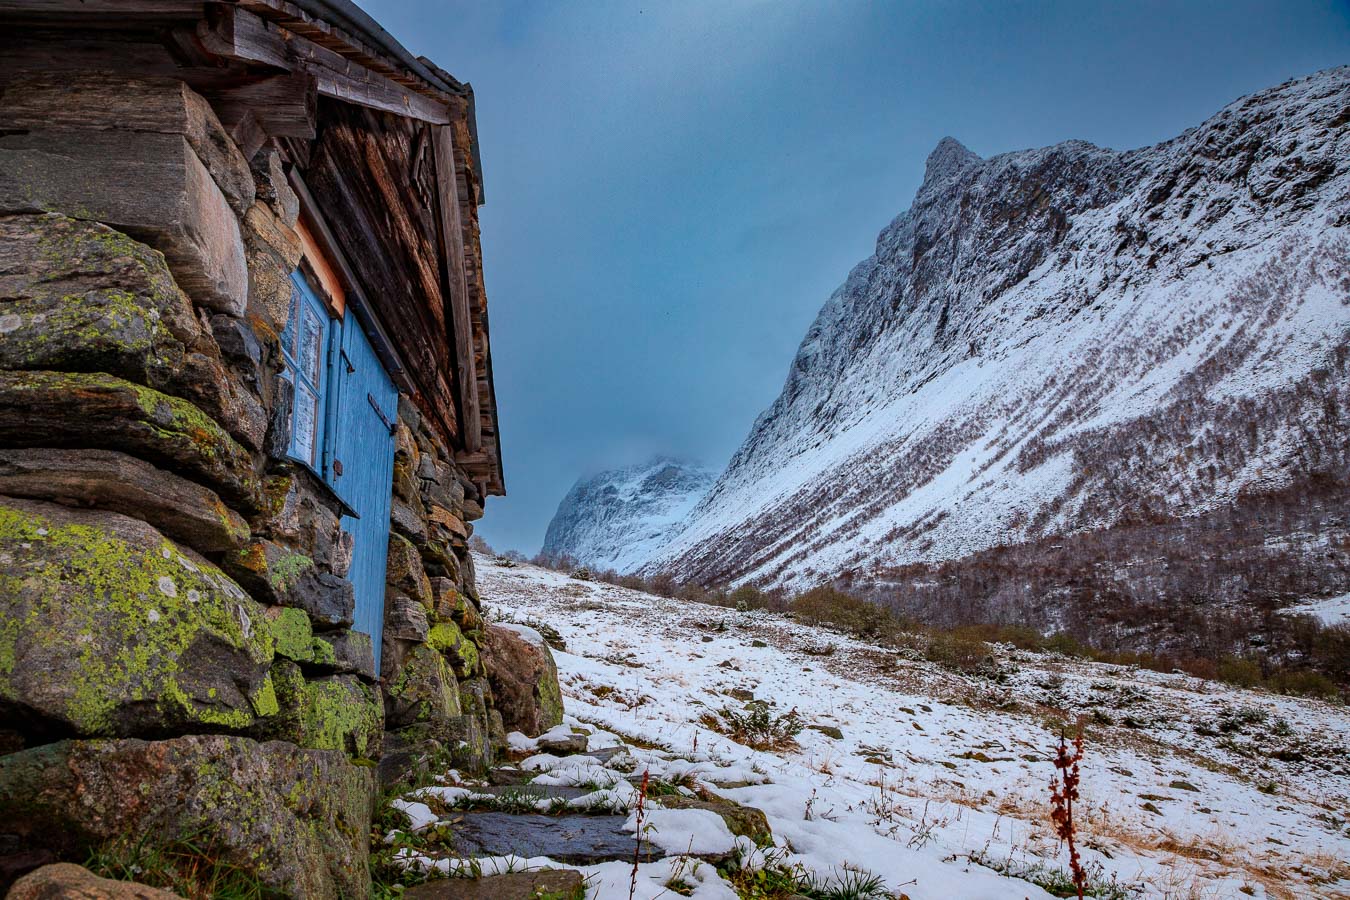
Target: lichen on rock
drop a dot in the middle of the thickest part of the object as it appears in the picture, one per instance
(109, 628)
(93, 409)
(338, 712)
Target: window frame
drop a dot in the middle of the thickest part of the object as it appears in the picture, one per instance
(305, 302)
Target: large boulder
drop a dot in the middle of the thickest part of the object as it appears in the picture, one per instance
(97, 410)
(297, 819)
(81, 297)
(67, 881)
(524, 678)
(182, 509)
(109, 628)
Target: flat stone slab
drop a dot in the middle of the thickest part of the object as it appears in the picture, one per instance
(580, 840)
(566, 884)
(604, 754)
(538, 791)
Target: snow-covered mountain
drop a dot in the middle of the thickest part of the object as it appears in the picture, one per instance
(619, 518)
(1067, 341)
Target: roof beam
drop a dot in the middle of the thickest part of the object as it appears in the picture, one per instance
(234, 33)
(452, 231)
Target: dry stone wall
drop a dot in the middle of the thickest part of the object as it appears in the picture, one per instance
(176, 647)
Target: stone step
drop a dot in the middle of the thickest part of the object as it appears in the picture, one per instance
(504, 776)
(605, 754)
(536, 791)
(562, 884)
(580, 840)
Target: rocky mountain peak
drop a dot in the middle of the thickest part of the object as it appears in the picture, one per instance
(948, 158)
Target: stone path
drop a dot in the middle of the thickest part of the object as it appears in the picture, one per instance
(578, 838)
(559, 803)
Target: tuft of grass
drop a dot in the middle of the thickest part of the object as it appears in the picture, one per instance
(662, 787)
(1056, 881)
(190, 867)
(780, 881)
(757, 727)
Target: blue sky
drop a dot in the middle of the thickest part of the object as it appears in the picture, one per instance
(674, 189)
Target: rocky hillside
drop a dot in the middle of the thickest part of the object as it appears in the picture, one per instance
(1099, 357)
(619, 518)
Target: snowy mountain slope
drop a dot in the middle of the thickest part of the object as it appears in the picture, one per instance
(1054, 341)
(619, 518)
(938, 780)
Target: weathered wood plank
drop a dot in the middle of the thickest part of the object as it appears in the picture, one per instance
(241, 35)
(452, 236)
(360, 177)
(237, 34)
(113, 10)
(111, 102)
(328, 35)
(152, 186)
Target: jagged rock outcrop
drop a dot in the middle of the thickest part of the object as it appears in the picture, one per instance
(618, 518)
(1059, 342)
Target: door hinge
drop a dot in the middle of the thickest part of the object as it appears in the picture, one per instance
(379, 412)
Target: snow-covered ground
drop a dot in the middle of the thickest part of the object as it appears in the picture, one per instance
(1330, 611)
(940, 781)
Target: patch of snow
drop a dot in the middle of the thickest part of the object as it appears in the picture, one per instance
(684, 831)
(1330, 611)
(419, 814)
(528, 633)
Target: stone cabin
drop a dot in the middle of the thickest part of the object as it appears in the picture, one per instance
(246, 421)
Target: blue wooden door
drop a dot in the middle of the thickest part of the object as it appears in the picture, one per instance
(362, 469)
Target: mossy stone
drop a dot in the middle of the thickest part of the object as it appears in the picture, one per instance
(292, 632)
(296, 819)
(424, 690)
(109, 628)
(460, 652)
(96, 410)
(336, 712)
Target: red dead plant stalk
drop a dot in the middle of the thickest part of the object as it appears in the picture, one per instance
(1063, 793)
(640, 813)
